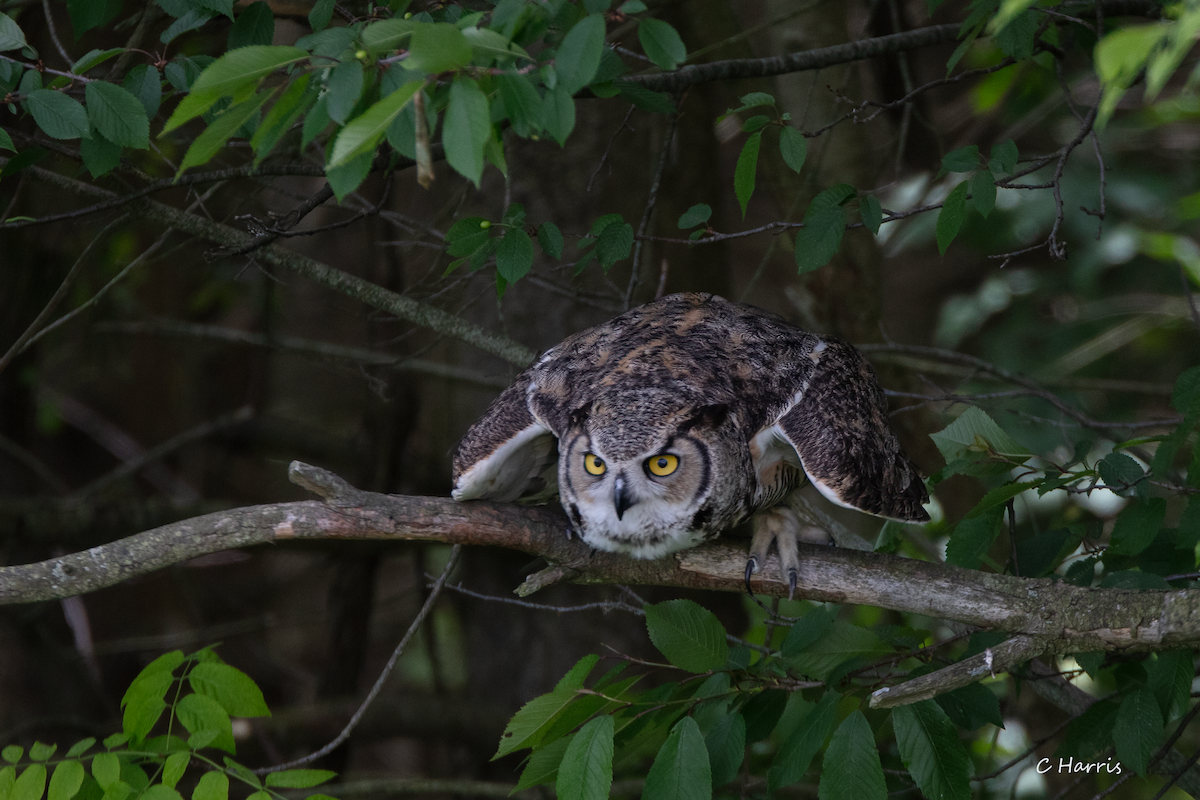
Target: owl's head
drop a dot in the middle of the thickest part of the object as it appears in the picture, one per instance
(638, 471)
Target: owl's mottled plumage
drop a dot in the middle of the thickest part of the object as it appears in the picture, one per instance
(681, 418)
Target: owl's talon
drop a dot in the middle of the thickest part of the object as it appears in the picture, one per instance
(792, 575)
(751, 568)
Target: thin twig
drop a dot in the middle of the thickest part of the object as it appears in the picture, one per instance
(62, 51)
(434, 593)
(648, 211)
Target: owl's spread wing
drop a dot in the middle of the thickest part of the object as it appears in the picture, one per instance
(837, 423)
(509, 453)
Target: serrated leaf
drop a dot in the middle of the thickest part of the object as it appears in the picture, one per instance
(299, 778)
(88, 14)
(6, 142)
(437, 47)
(344, 87)
(726, 743)
(746, 170)
(931, 750)
(964, 159)
(558, 113)
(971, 706)
(794, 149)
(542, 767)
(212, 786)
(975, 432)
(1019, 37)
(294, 102)
(950, 218)
(364, 132)
(696, 215)
(689, 635)
(230, 74)
(1003, 157)
(514, 255)
(1137, 525)
(11, 35)
(680, 770)
(797, 751)
(118, 115)
(871, 212)
(94, 58)
(840, 642)
(213, 138)
(1138, 729)
(30, 784)
(614, 243)
(1170, 679)
(66, 780)
(579, 54)
(522, 102)
(983, 192)
(59, 116)
(144, 83)
(973, 537)
(661, 43)
(818, 241)
(345, 178)
(254, 26)
(851, 768)
(467, 128)
(585, 772)
(551, 239)
(320, 14)
(807, 630)
(1119, 472)
(190, 21)
(237, 693)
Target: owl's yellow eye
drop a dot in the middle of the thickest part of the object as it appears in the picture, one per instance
(593, 464)
(662, 464)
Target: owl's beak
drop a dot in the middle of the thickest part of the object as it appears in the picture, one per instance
(622, 498)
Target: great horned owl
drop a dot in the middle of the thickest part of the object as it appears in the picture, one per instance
(681, 418)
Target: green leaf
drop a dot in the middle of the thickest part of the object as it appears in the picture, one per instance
(578, 56)
(586, 772)
(386, 35)
(522, 102)
(726, 744)
(254, 26)
(533, 719)
(41, 752)
(345, 178)
(1120, 472)
(344, 88)
(794, 149)
(818, 241)
(299, 778)
(174, 767)
(871, 212)
(840, 642)
(106, 769)
(1138, 729)
(797, 751)
(364, 133)
(197, 712)
(851, 768)
(542, 767)
(689, 635)
(59, 116)
(964, 159)
(558, 111)
(975, 432)
(931, 750)
(160, 791)
(514, 255)
(88, 14)
(745, 171)
(6, 142)
(1137, 525)
(11, 35)
(237, 693)
(661, 43)
(94, 58)
(232, 73)
(551, 239)
(213, 138)
(212, 786)
(295, 101)
(188, 22)
(321, 13)
(950, 218)
(973, 537)
(971, 706)
(467, 128)
(66, 780)
(492, 45)
(99, 155)
(807, 630)
(30, 784)
(1170, 679)
(8, 776)
(1004, 157)
(1018, 37)
(437, 47)
(81, 747)
(696, 215)
(118, 115)
(143, 702)
(614, 243)
(144, 83)
(762, 713)
(680, 770)
(983, 192)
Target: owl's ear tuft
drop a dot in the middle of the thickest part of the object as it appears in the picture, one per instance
(708, 416)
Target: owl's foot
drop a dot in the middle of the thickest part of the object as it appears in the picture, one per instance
(778, 524)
